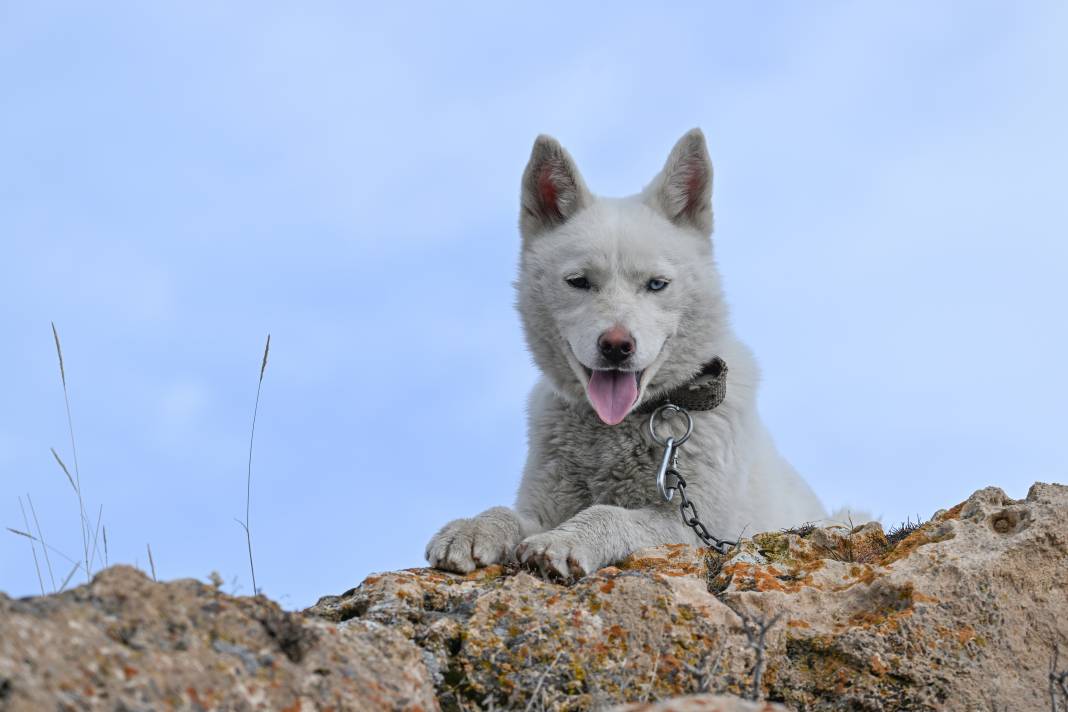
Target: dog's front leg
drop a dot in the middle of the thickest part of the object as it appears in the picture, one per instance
(598, 536)
(463, 545)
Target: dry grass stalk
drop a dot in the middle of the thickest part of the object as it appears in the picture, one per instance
(96, 535)
(151, 563)
(706, 672)
(74, 451)
(756, 630)
(72, 572)
(33, 547)
(66, 472)
(541, 681)
(40, 535)
(105, 547)
(248, 481)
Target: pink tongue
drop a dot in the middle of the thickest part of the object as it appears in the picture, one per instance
(612, 394)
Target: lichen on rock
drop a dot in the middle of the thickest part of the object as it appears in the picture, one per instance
(959, 613)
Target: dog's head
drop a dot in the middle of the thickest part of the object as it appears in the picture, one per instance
(619, 298)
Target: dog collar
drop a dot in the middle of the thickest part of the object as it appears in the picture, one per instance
(706, 391)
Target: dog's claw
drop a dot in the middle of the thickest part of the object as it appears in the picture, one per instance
(464, 545)
(555, 556)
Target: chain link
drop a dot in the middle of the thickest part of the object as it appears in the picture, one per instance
(669, 466)
(721, 546)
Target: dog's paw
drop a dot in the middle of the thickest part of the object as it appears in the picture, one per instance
(464, 545)
(558, 555)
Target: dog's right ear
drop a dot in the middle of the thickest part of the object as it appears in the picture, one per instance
(683, 189)
(552, 189)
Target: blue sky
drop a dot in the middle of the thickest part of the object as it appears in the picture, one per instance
(178, 179)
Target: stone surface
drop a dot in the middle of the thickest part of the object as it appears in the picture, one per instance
(126, 643)
(960, 614)
(701, 703)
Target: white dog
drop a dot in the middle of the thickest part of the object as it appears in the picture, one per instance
(621, 303)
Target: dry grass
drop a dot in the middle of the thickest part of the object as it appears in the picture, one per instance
(248, 482)
(541, 681)
(73, 570)
(77, 481)
(898, 533)
(95, 534)
(40, 535)
(36, 563)
(802, 530)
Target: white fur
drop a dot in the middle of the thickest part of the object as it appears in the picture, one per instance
(588, 495)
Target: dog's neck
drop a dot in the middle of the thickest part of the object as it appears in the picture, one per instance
(704, 392)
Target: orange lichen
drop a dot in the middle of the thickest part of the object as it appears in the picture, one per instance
(906, 546)
(878, 667)
(954, 511)
(672, 564)
(757, 577)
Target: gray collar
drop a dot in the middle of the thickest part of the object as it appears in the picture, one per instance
(704, 392)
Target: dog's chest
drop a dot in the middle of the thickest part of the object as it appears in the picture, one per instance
(599, 464)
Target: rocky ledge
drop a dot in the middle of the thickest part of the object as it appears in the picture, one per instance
(966, 612)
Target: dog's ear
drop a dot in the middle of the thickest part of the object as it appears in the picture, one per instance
(683, 189)
(552, 189)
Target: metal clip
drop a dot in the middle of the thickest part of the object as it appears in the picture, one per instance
(667, 466)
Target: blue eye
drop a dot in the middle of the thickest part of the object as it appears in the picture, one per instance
(656, 284)
(578, 282)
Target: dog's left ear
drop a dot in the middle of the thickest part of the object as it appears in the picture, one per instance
(552, 189)
(683, 189)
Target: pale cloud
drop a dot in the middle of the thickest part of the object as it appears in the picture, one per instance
(182, 406)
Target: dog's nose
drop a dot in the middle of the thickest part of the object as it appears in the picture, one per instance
(616, 345)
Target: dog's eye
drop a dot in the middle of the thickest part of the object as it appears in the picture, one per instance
(656, 284)
(578, 281)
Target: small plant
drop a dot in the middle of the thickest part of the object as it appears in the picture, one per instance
(714, 563)
(756, 631)
(857, 545)
(899, 533)
(705, 672)
(802, 530)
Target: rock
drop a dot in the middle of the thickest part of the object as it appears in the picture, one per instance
(960, 614)
(124, 642)
(702, 703)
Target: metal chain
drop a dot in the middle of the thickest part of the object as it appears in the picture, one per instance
(669, 466)
(721, 546)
